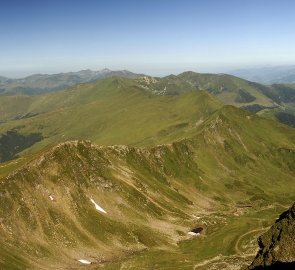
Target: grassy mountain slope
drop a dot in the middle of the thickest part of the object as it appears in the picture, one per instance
(153, 196)
(275, 101)
(284, 95)
(281, 93)
(106, 112)
(229, 89)
(158, 110)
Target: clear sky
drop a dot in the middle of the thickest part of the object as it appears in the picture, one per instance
(152, 36)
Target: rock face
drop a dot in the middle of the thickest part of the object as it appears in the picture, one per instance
(277, 245)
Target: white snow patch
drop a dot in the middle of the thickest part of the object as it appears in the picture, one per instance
(193, 234)
(51, 198)
(97, 207)
(84, 261)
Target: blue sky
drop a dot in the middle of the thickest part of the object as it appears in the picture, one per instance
(151, 36)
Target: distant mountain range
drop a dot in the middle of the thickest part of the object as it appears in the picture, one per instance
(128, 96)
(267, 75)
(43, 83)
(274, 101)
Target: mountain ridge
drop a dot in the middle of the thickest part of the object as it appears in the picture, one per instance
(104, 108)
(169, 183)
(37, 84)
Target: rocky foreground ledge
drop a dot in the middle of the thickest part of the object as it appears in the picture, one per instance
(277, 245)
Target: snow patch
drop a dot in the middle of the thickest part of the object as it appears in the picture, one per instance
(97, 207)
(193, 234)
(84, 261)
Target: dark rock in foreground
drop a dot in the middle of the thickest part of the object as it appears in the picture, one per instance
(277, 245)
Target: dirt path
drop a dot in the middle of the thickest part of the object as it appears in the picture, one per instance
(237, 249)
(10, 163)
(284, 206)
(214, 259)
(219, 258)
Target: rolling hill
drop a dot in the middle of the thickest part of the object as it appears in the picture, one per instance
(275, 101)
(229, 89)
(283, 94)
(123, 206)
(105, 112)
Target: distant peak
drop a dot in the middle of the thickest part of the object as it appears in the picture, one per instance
(188, 72)
(105, 70)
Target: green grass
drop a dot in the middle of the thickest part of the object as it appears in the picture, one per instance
(152, 193)
(228, 88)
(112, 111)
(217, 246)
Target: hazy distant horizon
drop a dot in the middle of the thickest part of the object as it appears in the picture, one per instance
(147, 71)
(154, 37)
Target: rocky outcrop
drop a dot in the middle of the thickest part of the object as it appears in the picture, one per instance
(277, 245)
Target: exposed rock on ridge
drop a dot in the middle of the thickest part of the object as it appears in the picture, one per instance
(277, 245)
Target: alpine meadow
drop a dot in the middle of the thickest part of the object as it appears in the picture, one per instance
(185, 162)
